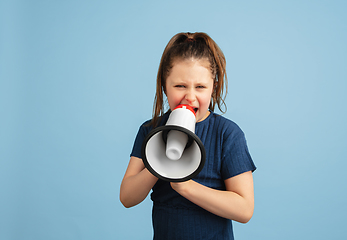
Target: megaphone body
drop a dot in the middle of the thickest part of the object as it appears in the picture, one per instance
(173, 152)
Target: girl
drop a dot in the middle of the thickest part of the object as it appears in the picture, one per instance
(192, 71)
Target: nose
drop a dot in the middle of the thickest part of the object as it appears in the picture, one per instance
(190, 96)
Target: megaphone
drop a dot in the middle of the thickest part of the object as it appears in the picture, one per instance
(173, 152)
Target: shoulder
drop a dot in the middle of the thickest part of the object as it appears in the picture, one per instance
(147, 126)
(226, 126)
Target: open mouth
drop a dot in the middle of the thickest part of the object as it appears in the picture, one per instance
(195, 109)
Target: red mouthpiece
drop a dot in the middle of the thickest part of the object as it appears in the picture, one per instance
(186, 107)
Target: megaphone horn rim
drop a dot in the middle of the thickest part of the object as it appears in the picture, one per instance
(169, 128)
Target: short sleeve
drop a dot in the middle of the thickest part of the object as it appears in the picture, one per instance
(236, 157)
(141, 135)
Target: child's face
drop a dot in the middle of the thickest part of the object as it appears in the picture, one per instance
(190, 82)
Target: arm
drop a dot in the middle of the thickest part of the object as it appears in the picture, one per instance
(236, 203)
(136, 184)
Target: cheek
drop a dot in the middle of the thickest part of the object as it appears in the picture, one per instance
(206, 104)
(173, 99)
(206, 100)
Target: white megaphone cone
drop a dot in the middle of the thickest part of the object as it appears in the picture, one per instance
(173, 152)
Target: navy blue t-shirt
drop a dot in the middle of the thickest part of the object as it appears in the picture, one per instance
(175, 217)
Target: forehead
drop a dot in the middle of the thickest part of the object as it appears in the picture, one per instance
(202, 61)
(190, 69)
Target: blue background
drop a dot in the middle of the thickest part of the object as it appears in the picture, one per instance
(78, 78)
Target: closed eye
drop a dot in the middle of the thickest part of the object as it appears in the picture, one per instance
(179, 86)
